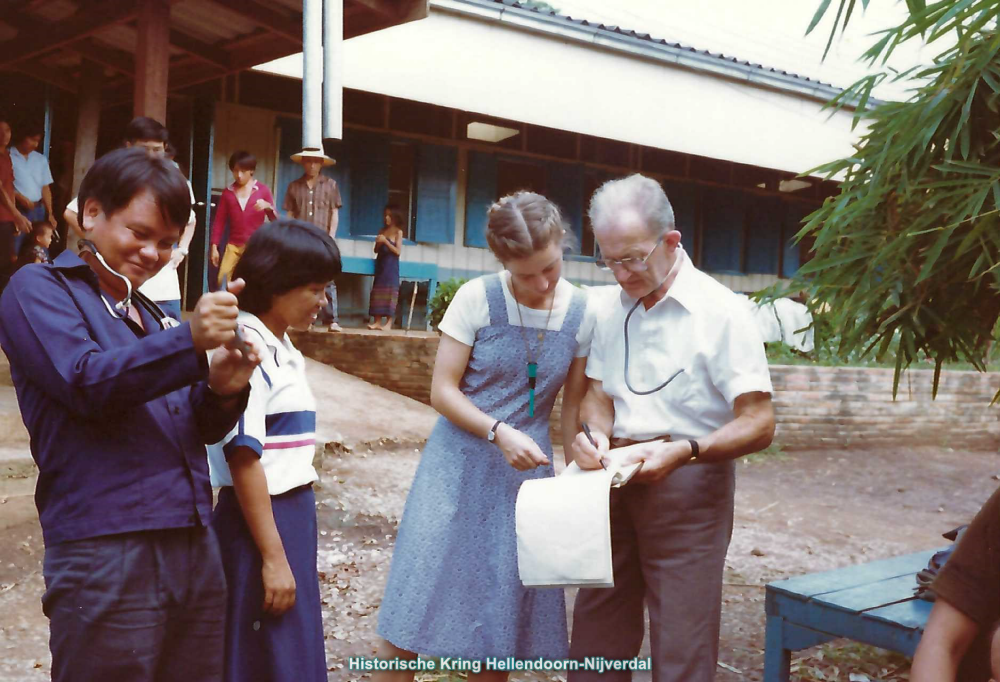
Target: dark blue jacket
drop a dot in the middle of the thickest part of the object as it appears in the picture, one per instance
(118, 417)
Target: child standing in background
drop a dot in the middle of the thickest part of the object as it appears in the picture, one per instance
(244, 205)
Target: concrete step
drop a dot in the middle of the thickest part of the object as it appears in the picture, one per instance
(12, 431)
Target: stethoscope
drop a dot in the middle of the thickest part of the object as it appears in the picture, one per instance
(628, 384)
(90, 255)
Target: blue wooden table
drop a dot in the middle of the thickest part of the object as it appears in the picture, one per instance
(871, 603)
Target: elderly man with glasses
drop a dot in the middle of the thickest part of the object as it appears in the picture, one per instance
(678, 376)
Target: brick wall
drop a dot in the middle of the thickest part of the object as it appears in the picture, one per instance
(816, 407)
(851, 406)
(400, 363)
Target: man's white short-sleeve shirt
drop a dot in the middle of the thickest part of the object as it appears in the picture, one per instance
(31, 173)
(700, 327)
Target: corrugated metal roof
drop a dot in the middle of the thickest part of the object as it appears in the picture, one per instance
(647, 37)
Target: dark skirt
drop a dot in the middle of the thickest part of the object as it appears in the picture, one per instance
(259, 646)
(385, 289)
(383, 301)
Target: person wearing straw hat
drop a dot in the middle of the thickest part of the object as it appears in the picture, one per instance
(315, 198)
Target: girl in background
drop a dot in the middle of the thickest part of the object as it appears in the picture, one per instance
(385, 289)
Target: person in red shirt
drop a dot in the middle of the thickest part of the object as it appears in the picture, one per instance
(11, 220)
(244, 205)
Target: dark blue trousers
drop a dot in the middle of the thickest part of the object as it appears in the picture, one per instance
(133, 607)
(329, 314)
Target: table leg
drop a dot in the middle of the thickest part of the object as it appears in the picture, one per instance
(777, 659)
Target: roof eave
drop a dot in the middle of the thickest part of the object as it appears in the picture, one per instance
(562, 28)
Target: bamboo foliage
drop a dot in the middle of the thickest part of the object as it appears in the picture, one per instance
(907, 256)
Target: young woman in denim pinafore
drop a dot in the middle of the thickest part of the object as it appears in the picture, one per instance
(453, 589)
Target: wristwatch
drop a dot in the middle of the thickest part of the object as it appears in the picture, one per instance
(492, 435)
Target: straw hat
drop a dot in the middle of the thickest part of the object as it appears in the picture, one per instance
(313, 153)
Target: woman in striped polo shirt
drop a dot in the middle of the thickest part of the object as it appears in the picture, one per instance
(266, 515)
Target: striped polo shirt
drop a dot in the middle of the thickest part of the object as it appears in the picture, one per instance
(279, 423)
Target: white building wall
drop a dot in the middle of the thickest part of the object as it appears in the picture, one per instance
(500, 69)
(508, 72)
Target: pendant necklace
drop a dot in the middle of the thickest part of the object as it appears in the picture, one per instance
(532, 361)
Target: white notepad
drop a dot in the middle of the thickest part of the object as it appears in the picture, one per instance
(564, 526)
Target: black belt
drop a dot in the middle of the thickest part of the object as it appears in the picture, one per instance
(625, 442)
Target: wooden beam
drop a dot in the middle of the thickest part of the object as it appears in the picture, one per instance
(396, 12)
(366, 23)
(275, 50)
(387, 8)
(43, 38)
(254, 40)
(399, 11)
(47, 75)
(35, 5)
(18, 20)
(87, 121)
(203, 51)
(110, 58)
(285, 25)
(152, 59)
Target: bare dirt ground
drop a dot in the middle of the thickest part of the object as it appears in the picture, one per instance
(796, 513)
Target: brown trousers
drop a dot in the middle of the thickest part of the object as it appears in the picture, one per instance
(669, 542)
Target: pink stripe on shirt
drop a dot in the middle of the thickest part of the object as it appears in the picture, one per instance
(290, 444)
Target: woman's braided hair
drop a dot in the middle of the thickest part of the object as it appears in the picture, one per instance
(521, 224)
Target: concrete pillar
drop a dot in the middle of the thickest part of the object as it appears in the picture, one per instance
(87, 121)
(47, 130)
(203, 142)
(312, 73)
(152, 59)
(333, 69)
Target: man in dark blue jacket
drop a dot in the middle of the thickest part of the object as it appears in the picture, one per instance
(119, 405)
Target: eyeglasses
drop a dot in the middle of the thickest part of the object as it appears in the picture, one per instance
(630, 264)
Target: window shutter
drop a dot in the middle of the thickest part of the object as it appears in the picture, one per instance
(764, 235)
(722, 231)
(437, 178)
(368, 155)
(564, 186)
(480, 194)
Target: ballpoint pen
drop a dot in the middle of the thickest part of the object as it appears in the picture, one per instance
(590, 437)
